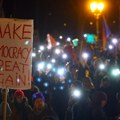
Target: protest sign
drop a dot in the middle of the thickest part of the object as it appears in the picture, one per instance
(16, 37)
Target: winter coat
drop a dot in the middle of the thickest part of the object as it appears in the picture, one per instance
(20, 111)
(47, 113)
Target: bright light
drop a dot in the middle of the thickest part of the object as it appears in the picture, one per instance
(38, 80)
(101, 66)
(61, 87)
(114, 41)
(100, 6)
(68, 39)
(61, 37)
(46, 84)
(61, 71)
(18, 80)
(53, 60)
(57, 51)
(110, 47)
(58, 43)
(85, 55)
(85, 35)
(96, 6)
(64, 56)
(41, 66)
(42, 48)
(93, 6)
(76, 93)
(49, 66)
(33, 54)
(27, 42)
(115, 72)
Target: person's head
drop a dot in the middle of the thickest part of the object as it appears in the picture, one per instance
(19, 96)
(99, 99)
(105, 82)
(38, 101)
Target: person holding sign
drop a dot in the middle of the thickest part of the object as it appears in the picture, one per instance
(8, 109)
(21, 110)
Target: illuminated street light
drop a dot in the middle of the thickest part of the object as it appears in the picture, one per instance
(97, 8)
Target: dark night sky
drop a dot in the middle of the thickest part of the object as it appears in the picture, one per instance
(70, 17)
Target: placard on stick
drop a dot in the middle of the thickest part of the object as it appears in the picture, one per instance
(16, 38)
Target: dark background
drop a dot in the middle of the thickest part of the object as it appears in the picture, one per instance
(65, 17)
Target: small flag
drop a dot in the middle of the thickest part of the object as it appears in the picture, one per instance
(105, 33)
(51, 41)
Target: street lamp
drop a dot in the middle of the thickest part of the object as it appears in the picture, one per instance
(97, 8)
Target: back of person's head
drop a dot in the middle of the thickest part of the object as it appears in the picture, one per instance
(98, 97)
(105, 82)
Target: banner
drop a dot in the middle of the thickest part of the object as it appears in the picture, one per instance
(16, 39)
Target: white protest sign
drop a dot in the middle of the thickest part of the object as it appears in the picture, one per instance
(16, 38)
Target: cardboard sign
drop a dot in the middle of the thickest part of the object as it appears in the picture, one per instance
(16, 38)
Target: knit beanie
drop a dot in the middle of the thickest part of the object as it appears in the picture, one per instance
(18, 93)
(38, 95)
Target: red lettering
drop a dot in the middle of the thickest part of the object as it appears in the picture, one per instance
(9, 79)
(26, 32)
(23, 67)
(15, 29)
(7, 65)
(7, 31)
(22, 80)
(16, 66)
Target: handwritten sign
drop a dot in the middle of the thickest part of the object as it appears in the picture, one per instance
(16, 37)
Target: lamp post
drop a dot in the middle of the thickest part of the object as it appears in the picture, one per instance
(97, 8)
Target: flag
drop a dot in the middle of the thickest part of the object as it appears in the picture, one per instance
(105, 33)
(51, 41)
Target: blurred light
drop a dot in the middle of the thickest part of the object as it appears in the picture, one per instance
(61, 87)
(58, 43)
(69, 81)
(38, 79)
(46, 92)
(85, 35)
(46, 84)
(68, 39)
(53, 60)
(61, 37)
(64, 56)
(49, 66)
(49, 47)
(42, 48)
(41, 66)
(57, 51)
(33, 54)
(54, 69)
(61, 71)
(85, 55)
(18, 80)
(94, 6)
(101, 66)
(115, 72)
(75, 42)
(114, 41)
(110, 47)
(27, 42)
(76, 93)
(54, 88)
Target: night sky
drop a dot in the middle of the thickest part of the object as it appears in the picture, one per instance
(65, 17)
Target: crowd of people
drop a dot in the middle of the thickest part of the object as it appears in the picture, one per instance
(99, 98)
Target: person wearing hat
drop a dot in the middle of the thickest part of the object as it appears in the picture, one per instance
(21, 110)
(41, 111)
